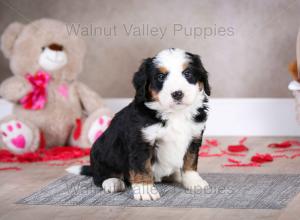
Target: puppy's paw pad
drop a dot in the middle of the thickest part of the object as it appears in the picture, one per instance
(112, 185)
(98, 127)
(145, 192)
(16, 135)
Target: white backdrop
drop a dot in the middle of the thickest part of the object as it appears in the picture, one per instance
(234, 117)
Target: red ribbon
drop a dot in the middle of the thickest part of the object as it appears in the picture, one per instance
(37, 98)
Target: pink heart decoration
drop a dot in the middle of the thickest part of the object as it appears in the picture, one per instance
(63, 90)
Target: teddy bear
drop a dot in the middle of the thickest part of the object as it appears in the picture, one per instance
(49, 104)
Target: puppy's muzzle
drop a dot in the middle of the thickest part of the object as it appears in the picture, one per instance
(177, 95)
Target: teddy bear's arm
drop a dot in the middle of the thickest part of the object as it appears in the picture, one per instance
(14, 88)
(90, 100)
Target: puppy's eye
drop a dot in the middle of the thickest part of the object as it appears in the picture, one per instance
(43, 48)
(161, 77)
(187, 74)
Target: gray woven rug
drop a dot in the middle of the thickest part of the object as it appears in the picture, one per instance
(252, 191)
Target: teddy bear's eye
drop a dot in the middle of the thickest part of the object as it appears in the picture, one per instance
(43, 48)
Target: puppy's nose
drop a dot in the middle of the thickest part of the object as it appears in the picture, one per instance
(56, 47)
(177, 95)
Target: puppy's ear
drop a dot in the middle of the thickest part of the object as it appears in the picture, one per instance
(206, 84)
(140, 81)
(202, 73)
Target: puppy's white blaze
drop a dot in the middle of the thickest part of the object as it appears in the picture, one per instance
(76, 169)
(172, 59)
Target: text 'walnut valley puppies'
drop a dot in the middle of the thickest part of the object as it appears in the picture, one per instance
(157, 136)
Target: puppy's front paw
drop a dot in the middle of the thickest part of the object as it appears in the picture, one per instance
(145, 192)
(191, 180)
(112, 185)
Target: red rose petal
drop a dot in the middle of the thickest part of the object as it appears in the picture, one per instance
(213, 142)
(231, 160)
(237, 148)
(10, 168)
(295, 155)
(284, 144)
(243, 140)
(242, 165)
(262, 158)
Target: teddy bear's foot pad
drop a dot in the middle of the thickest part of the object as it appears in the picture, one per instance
(98, 127)
(17, 136)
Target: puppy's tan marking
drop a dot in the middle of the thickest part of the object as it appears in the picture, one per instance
(190, 161)
(201, 86)
(163, 70)
(154, 95)
(145, 177)
(185, 66)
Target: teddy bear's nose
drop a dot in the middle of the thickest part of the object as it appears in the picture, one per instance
(56, 47)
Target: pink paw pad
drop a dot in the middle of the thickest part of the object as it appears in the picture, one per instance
(19, 125)
(19, 141)
(101, 121)
(10, 128)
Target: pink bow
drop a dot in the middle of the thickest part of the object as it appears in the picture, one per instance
(37, 98)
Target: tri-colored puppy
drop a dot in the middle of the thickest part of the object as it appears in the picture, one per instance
(158, 134)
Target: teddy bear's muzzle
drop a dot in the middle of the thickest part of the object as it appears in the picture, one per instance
(53, 57)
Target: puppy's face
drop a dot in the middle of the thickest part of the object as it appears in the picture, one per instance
(171, 80)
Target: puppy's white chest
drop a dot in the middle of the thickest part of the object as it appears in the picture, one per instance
(171, 142)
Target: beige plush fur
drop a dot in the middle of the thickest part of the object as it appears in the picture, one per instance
(22, 45)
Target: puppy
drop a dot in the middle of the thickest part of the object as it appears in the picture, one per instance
(157, 136)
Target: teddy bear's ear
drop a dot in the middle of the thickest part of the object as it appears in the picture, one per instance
(9, 37)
